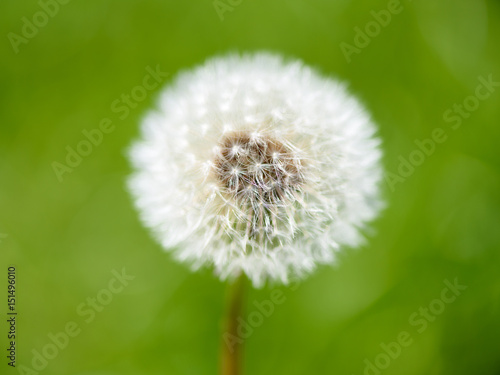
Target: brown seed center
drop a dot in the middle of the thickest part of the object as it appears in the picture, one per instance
(257, 167)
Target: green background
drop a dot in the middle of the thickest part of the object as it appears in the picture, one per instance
(65, 238)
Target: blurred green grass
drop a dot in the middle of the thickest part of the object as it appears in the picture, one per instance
(66, 238)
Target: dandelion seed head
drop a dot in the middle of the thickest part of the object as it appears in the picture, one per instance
(257, 165)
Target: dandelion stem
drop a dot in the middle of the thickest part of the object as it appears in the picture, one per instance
(232, 343)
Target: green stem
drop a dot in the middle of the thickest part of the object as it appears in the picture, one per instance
(232, 344)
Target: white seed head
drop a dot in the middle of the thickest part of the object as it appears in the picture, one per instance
(256, 165)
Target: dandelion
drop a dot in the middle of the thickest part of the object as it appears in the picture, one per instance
(259, 166)
(256, 165)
